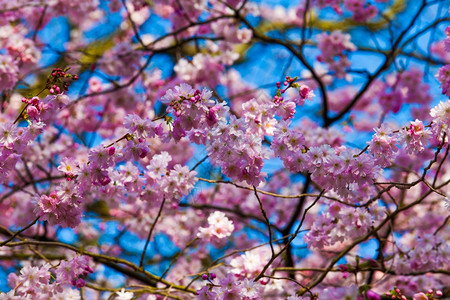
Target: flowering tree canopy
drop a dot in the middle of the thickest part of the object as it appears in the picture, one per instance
(224, 149)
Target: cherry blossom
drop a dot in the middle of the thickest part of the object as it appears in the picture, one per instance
(209, 149)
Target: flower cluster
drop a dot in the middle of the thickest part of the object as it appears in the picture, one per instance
(286, 108)
(337, 169)
(415, 137)
(237, 151)
(203, 69)
(43, 111)
(142, 128)
(289, 145)
(101, 160)
(36, 282)
(171, 184)
(441, 120)
(340, 223)
(9, 72)
(120, 60)
(181, 152)
(15, 140)
(383, 145)
(443, 75)
(362, 11)
(219, 226)
(73, 270)
(62, 206)
(427, 252)
(234, 146)
(229, 287)
(24, 50)
(333, 49)
(196, 113)
(403, 87)
(397, 293)
(251, 263)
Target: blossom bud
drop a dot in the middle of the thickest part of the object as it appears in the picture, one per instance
(343, 267)
(80, 283)
(34, 101)
(420, 296)
(205, 276)
(371, 295)
(143, 153)
(32, 112)
(211, 115)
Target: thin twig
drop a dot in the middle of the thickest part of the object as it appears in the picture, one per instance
(18, 232)
(265, 218)
(141, 263)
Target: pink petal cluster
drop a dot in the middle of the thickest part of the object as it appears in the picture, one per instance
(383, 145)
(443, 76)
(426, 252)
(9, 72)
(362, 11)
(61, 207)
(177, 157)
(251, 263)
(416, 137)
(71, 271)
(40, 283)
(219, 226)
(404, 87)
(203, 68)
(340, 223)
(441, 120)
(229, 287)
(334, 48)
(120, 60)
